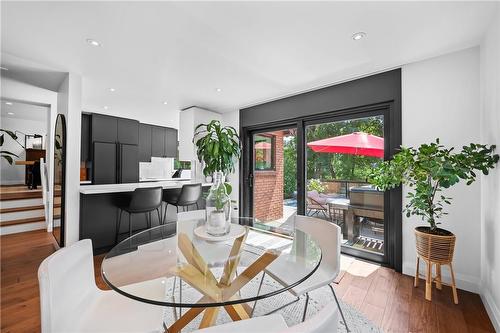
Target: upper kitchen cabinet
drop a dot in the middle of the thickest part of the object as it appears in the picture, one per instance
(128, 131)
(171, 142)
(144, 143)
(157, 141)
(85, 140)
(104, 128)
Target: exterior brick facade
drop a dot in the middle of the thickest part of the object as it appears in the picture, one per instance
(268, 186)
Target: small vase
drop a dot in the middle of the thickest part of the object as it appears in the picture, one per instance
(218, 208)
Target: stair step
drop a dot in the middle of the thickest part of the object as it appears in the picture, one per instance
(22, 209)
(20, 195)
(26, 220)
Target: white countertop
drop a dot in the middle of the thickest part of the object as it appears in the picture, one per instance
(116, 188)
(162, 179)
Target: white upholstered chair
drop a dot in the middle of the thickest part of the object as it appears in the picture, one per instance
(71, 302)
(328, 236)
(325, 321)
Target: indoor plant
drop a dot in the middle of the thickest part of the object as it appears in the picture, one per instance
(428, 170)
(218, 147)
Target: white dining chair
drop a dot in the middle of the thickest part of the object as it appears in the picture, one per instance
(71, 302)
(325, 321)
(328, 236)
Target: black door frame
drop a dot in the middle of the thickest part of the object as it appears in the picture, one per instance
(392, 199)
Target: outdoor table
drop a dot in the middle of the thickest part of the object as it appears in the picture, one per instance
(218, 274)
(343, 205)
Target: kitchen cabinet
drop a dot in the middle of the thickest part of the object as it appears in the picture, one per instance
(104, 128)
(104, 160)
(171, 142)
(144, 143)
(128, 131)
(129, 164)
(157, 141)
(85, 140)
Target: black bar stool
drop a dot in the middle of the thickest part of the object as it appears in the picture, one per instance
(187, 196)
(144, 200)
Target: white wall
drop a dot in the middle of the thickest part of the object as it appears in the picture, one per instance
(440, 98)
(20, 91)
(490, 185)
(70, 105)
(14, 174)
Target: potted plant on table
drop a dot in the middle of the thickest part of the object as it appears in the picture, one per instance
(219, 148)
(428, 170)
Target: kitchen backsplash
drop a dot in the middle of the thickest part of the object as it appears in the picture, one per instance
(158, 168)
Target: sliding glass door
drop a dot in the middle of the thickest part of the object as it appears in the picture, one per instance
(318, 166)
(339, 157)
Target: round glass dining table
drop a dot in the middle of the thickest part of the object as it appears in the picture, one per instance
(203, 274)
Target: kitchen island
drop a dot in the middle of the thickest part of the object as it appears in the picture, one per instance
(99, 210)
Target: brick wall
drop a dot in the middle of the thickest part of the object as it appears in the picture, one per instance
(268, 186)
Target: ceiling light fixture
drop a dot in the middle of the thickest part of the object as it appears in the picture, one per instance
(359, 35)
(4, 68)
(93, 42)
(112, 89)
(9, 103)
(10, 113)
(165, 103)
(218, 89)
(105, 107)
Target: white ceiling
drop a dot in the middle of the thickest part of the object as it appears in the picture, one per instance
(23, 111)
(254, 51)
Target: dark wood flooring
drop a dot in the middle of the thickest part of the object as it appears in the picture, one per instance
(387, 298)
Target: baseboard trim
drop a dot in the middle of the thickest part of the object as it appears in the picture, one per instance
(491, 309)
(464, 282)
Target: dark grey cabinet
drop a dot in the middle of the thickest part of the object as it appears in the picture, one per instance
(128, 131)
(171, 142)
(157, 141)
(128, 171)
(104, 163)
(104, 128)
(85, 138)
(144, 143)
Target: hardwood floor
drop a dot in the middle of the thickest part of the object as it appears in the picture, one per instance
(385, 297)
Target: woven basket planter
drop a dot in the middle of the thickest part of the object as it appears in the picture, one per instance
(436, 248)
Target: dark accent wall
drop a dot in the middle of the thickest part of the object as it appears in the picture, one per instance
(375, 93)
(383, 87)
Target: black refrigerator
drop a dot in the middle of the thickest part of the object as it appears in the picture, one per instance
(115, 163)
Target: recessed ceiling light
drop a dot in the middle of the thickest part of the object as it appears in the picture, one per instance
(9, 103)
(93, 42)
(165, 103)
(106, 107)
(10, 113)
(4, 68)
(218, 89)
(112, 89)
(359, 35)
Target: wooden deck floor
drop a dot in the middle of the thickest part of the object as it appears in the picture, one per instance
(386, 297)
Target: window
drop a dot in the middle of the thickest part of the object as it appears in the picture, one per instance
(264, 150)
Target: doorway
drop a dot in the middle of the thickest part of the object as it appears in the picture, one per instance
(318, 166)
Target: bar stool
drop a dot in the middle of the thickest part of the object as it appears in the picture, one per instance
(144, 200)
(187, 196)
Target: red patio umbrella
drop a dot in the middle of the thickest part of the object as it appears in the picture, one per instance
(262, 145)
(357, 143)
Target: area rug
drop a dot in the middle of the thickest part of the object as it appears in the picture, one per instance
(292, 314)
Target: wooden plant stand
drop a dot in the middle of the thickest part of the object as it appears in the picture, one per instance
(197, 273)
(436, 251)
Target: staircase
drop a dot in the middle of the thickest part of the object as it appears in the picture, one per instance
(22, 209)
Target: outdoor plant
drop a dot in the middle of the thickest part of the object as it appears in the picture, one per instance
(428, 170)
(218, 147)
(315, 185)
(4, 153)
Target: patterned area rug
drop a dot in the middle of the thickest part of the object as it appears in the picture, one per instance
(292, 314)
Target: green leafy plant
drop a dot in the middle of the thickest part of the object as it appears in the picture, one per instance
(429, 169)
(316, 185)
(4, 153)
(218, 147)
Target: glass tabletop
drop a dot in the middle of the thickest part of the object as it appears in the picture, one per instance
(212, 273)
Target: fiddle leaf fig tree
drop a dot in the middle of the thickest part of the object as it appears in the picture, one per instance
(218, 146)
(428, 170)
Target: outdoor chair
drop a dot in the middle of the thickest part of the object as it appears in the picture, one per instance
(316, 204)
